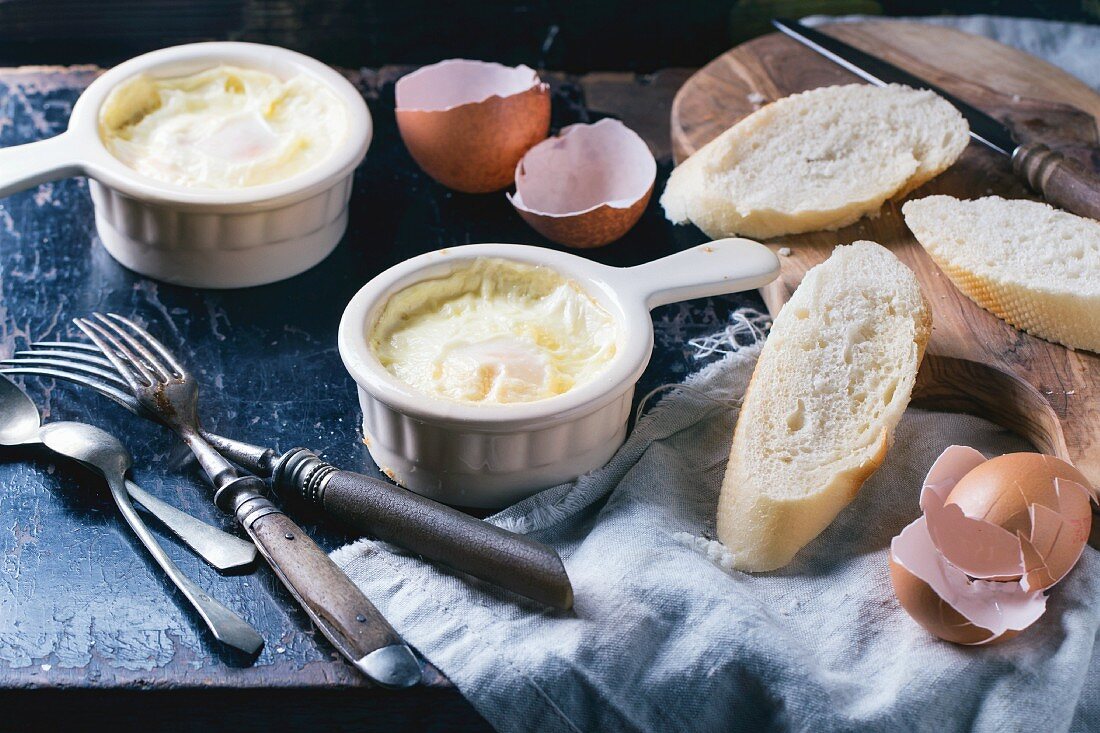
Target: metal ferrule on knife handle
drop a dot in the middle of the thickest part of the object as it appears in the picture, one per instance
(253, 458)
(1063, 182)
(428, 528)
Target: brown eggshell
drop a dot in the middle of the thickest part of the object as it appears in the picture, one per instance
(587, 186)
(468, 123)
(1002, 491)
(600, 226)
(932, 612)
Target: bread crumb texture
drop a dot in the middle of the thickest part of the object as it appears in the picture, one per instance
(816, 160)
(832, 382)
(1032, 265)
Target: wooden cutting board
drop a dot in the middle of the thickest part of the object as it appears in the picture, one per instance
(976, 363)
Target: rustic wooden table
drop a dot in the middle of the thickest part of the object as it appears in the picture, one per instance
(89, 628)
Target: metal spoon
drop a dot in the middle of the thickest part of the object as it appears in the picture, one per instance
(103, 452)
(19, 424)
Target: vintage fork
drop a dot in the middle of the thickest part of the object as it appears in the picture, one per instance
(345, 616)
(84, 364)
(428, 528)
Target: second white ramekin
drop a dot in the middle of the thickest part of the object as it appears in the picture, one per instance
(207, 238)
(490, 456)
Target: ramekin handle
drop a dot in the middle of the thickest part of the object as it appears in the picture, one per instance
(715, 268)
(24, 166)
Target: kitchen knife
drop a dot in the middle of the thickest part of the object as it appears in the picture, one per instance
(393, 514)
(1063, 182)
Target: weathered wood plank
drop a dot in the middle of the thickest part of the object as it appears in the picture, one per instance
(80, 606)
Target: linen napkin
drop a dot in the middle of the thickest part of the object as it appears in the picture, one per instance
(665, 638)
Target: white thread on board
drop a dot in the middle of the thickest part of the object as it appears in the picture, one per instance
(746, 328)
(744, 323)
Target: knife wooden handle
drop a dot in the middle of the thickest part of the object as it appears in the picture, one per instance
(344, 615)
(436, 531)
(1063, 182)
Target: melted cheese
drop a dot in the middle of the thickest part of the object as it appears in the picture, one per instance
(226, 127)
(494, 331)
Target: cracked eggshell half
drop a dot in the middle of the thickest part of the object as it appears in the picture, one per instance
(995, 534)
(587, 186)
(1041, 500)
(468, 123)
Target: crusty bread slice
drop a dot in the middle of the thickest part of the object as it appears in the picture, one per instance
(816, 160)
(1026, 262)
(832, 382)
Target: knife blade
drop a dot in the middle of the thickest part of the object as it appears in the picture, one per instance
(1063, 182)
(983, 128)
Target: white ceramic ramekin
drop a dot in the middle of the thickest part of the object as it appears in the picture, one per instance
(490, 456)
(224, 238)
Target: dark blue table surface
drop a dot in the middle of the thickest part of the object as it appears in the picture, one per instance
(81, 605)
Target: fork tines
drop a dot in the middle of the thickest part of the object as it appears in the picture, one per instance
(66, 371)
(121, 357)
(130, 349)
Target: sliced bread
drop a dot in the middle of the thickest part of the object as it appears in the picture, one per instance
(1026, 262)
(816, 160)
(832, 382)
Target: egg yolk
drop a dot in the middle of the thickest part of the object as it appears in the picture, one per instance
(494, 331)
(226, 127)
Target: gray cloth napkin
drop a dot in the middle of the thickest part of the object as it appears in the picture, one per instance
(663, 638)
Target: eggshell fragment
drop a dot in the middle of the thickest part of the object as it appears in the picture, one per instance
(468, 123)
(1040, 498)
(981, 549)
(587, 186)
(994, 535)
(925, 606)
(942, 599)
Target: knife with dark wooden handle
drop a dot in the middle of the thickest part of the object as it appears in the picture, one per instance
(394, 514)
(1066, 183)
(436, 531)
(344, 615)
